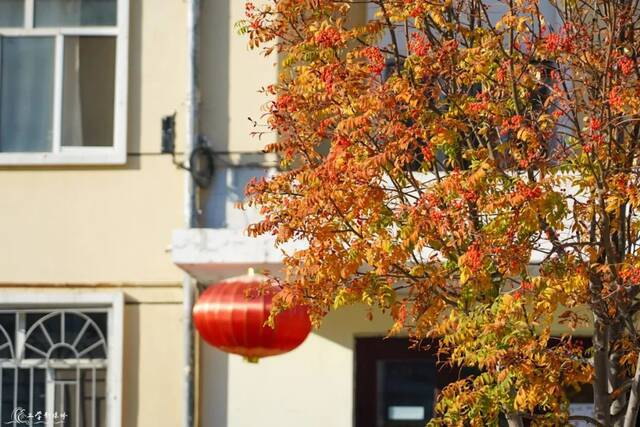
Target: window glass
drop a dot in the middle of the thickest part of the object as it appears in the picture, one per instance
(29, 397)
(11, 13)
(75, 13)
(88, 91)
(75, 398)
(26, 94)
(7, 337)
(406, 392)
(76, 326)
(50, 335)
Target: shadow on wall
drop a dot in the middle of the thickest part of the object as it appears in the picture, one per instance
(229, 95)
(153, 364)
(214, 64)
(134, 108)
(214, 386)
(131, 367)
(227, 190)
(215, 32)
(215, 17)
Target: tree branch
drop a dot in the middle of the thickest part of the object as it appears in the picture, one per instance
(586, 419)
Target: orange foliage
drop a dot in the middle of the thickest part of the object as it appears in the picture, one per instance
(476, 179)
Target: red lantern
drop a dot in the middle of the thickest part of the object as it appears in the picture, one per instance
(231, 316)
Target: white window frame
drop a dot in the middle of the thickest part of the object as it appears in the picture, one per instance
(60, 155)
(113, 304)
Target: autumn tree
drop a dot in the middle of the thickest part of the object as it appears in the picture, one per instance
(471, 167)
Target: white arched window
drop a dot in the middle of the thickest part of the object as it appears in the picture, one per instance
(60, 363)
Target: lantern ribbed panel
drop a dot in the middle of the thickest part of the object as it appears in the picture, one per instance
(231, 316)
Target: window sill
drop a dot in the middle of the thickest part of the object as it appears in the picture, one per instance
(71, 156)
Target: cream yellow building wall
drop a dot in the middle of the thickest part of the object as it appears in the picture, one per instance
(231, 76)
(108, 224)
(312, 386)
(152, 380)
(108, 228)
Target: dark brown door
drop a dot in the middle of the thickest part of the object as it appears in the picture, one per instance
(396, 386)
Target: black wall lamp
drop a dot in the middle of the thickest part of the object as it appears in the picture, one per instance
(201, 161)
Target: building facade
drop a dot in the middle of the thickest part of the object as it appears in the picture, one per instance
(102, 233)
(90, 301)
(92, 316)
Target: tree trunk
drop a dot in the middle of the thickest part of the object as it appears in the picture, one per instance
(514, 420)
(615, 378)
(634, 399)
(601, 367)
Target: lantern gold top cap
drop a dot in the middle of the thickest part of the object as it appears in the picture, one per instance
(250, 277)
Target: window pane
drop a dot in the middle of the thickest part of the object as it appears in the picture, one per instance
(71, 13)
(80, 397)
(66, 398)
(26, 94)
(406, 392)
(7, 335)
(93, 406)
(88, 91)
(11, 13)
(17, 384)
(76, 328)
